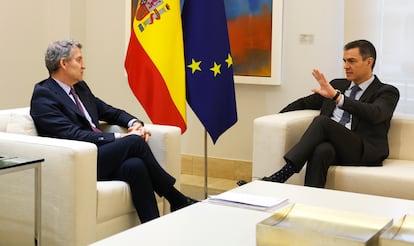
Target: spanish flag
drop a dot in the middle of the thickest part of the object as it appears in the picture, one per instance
(155, 62)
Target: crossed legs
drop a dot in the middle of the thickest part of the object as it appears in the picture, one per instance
(130, 159)
(324, 142)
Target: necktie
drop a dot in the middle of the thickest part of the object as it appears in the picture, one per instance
(78, 103)
(346, 115)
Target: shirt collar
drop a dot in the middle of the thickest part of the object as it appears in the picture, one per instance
(364, 85)
(64, 86)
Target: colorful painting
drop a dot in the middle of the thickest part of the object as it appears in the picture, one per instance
(255, 33)
(250, 33)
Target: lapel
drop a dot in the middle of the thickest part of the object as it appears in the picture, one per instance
(62, 96)
(88, 100)
(371, 90)
(368, 93)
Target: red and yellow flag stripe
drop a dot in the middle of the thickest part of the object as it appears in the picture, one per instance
(155, 62)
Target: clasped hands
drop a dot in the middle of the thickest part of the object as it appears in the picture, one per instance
(139, 130)
(326, 89)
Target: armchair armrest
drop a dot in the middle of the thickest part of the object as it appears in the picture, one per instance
(273, 136)
(165, 143)
(68, 188)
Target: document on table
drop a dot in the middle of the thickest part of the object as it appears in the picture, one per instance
(5, 157)
(248, 200)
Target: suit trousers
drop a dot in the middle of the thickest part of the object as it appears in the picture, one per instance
(325, 142)
(130, 159)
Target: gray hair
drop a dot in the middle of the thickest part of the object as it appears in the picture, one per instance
(57, 51)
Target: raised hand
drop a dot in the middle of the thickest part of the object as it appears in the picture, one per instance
(325, 89)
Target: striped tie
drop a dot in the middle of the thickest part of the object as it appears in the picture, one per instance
(78, 103)
(346, 115)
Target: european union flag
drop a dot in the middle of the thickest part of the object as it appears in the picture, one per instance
(209, 70)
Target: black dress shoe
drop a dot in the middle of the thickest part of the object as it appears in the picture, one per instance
(189, 201)
(275, 178)
(241, 182)
(270, 178)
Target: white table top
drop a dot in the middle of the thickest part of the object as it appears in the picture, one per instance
(206, 223)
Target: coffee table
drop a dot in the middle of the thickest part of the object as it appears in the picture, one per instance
(207, 223)
(10, 164)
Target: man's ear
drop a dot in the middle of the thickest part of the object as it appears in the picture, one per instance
(62, 63)
(370, 61)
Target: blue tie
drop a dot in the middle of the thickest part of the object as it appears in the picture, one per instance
(346, 115)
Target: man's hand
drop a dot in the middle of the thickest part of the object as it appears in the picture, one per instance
(139, 130)
(326, 89)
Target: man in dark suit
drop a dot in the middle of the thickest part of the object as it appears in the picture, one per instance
(63, 106)
(354, 120)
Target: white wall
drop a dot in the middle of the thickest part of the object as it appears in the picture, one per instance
(27, 27)
(100, 27)
(363, 24)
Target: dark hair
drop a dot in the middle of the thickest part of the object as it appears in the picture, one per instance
(366, 49)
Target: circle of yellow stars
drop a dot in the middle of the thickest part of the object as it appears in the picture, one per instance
(216, 68)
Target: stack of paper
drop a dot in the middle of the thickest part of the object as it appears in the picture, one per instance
(247, 200)
(400, 234)
(307, 225)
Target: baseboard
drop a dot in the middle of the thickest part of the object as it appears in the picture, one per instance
(217, 168)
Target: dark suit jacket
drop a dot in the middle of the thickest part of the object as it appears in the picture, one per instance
(371, 114)
(56, 115)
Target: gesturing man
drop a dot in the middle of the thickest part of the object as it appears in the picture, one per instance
(353, 124)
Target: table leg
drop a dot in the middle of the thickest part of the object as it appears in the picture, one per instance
(38, 204)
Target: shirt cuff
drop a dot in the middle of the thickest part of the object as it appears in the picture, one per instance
(341, 102)
(131, 122)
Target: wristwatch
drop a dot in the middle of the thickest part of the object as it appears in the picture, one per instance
(338, 92)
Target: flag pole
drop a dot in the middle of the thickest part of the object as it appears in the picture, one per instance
(205, 166)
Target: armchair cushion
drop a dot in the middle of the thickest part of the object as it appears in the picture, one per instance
(21, 124)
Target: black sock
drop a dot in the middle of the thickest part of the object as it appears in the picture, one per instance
(283, 174)
(175, 197)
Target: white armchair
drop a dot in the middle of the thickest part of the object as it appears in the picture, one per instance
(274, 135)
(76, 209)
